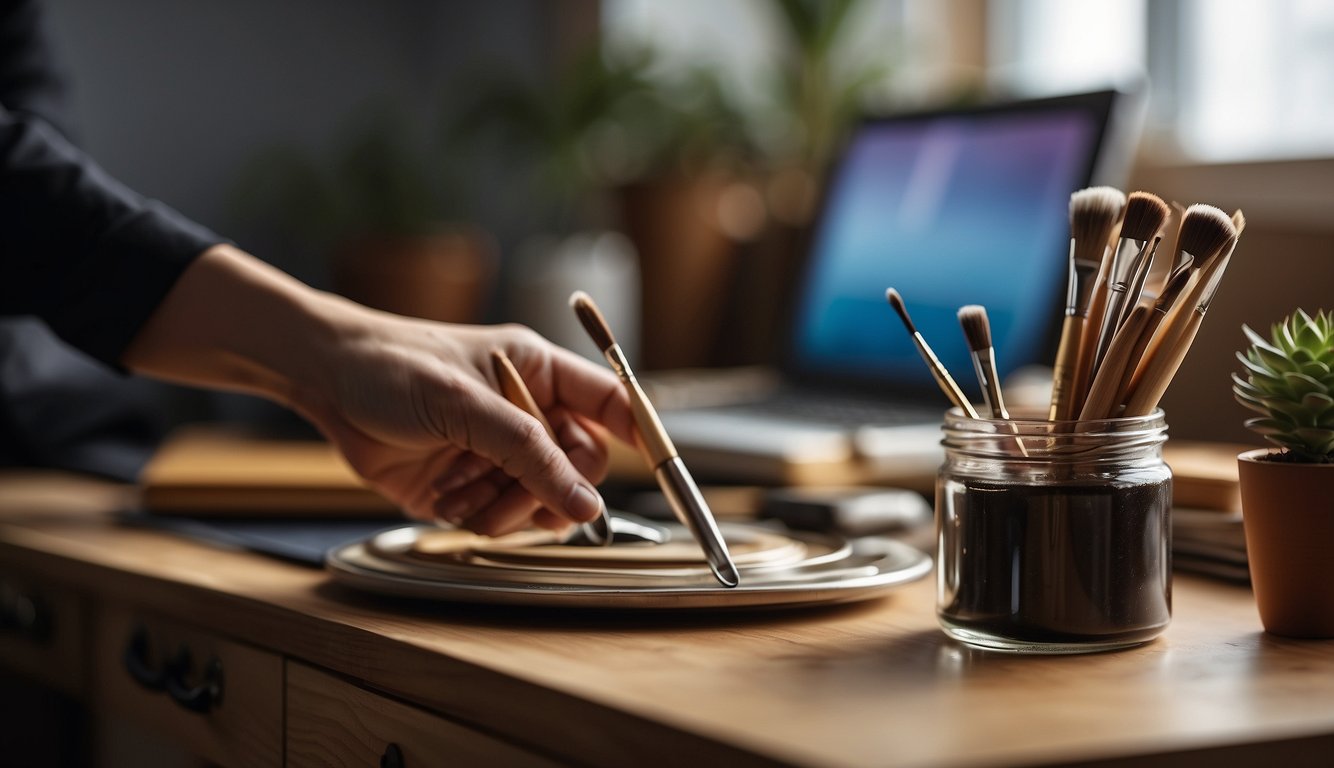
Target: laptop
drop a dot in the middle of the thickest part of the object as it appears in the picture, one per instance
(951, 207)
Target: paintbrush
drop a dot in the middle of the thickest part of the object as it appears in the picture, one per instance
(977, 330)
(673, 478)
(937, 368)
(1094, 215)
(1179, 333)
(598, 530)
(1102, 401)
(1206, 235)
(1145, 215)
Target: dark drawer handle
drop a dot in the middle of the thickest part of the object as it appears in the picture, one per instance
(25, 614)
(392, 757)
(137, 664)
(199, 698)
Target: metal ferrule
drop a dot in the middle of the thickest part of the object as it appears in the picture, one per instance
(690, 508)
(618, 361)
(943, 378)
(984, 362)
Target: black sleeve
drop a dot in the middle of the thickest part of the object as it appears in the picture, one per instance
(77, 249)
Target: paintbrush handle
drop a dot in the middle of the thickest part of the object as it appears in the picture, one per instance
(515, 391)
(943, 378)
(1162, 368)
(1063, 405)
(598, 531)
(1102, 400)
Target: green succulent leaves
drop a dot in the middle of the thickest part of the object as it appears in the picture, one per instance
(1289, 380)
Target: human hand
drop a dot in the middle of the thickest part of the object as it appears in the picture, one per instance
(415, 409)
(413, 405)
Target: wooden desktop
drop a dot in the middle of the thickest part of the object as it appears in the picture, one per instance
(308, 673)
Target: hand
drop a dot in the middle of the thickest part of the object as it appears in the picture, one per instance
(415, 409)
(413, 405)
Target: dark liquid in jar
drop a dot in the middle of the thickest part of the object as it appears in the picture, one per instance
(1058, 564)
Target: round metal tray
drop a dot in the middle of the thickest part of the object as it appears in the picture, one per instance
(801, 569)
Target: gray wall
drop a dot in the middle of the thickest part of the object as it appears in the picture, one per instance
(173, 97)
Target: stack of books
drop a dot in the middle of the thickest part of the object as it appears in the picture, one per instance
(1207, 535)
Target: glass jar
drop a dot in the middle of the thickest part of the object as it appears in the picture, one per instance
(1054, 537)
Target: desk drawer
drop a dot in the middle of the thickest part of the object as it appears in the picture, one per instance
(220, 700)
(41, 632)
(331, 722)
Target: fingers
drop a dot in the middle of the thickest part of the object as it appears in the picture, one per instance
(518, 444)
(494, 504)
(559, 377)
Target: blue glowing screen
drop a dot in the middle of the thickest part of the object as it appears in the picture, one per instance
(949, 210)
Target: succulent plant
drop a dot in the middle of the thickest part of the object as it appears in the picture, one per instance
(1289, 380)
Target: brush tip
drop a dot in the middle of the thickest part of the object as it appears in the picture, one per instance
(976, 327)
(595, 325)
(1146, 213)
(1205, 232)
(896, 301)
(1094, 213)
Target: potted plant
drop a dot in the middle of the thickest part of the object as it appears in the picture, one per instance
(377, 210)
(1288, 497)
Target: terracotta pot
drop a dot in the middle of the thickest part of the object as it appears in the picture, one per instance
(446, 276)
(685, 262)
(1288, 513)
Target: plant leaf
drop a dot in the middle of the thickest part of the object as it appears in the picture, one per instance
(1302, 384)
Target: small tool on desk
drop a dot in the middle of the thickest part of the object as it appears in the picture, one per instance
(938, 370)
(977, 330)
(1095, 214)
(597, 531)
(1145, 215)
(673, 478)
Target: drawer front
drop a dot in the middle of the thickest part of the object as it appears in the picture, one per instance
(219, 700)
(41, 632)
(331, 722)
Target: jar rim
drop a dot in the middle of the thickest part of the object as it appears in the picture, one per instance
(1039, 439)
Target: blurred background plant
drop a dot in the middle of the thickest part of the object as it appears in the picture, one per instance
(380, 216)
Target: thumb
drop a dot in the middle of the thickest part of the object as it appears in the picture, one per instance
(520, 446)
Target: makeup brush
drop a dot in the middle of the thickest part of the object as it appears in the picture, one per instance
(937, 368)
(1102, 401)
(977, 330)
(1094, 214)
(673, 478)
(1165, 364)
(596, 531)
(1207, 234)
(1179, 333)
(1145, 215)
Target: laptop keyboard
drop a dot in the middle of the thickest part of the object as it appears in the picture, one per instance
(843, 411)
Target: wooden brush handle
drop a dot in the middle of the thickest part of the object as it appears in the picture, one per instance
(1102, 401)
(1162, 368)
(1063, 405)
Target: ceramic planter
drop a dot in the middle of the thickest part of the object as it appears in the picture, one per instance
(445, 276)
(1288, 513)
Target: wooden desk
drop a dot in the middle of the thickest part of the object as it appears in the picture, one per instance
(869, 684)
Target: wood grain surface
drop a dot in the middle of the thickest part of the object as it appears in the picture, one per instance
(868, 684)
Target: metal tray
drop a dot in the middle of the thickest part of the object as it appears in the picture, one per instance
(829, 570)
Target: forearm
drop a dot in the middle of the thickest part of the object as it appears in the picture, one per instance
(233, 322)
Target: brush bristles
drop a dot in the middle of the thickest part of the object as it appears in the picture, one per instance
(896, 301)
(1205, 233)
(1094, 214)
(1239, 221)
(976, 328)
(1146, 213)
(592, 320)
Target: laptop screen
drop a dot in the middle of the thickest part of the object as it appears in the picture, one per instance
(954, 208)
